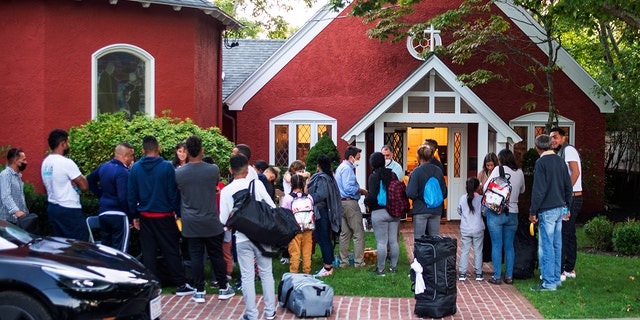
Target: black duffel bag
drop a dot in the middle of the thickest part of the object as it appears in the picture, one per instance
(437, 256)
(260, 222)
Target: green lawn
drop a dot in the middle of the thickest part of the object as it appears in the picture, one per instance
(361, 282)
(607, 286)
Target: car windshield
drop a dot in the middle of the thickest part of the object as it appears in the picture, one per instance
(12, 236)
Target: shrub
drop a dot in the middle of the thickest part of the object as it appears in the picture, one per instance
(626, 238)
(324, 146)
(529, 161)
(93, 142)
(599, 231)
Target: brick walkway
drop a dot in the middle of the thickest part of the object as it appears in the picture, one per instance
(476, 300)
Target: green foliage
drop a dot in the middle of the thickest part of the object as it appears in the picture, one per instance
(529, 161)
(606, 288)
(261, 17)
(626, 238)
(93, 143)
(599, 231)
(324, 146)
(3, 155)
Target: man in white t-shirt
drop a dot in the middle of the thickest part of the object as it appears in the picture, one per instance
(62, 179)
(572, 159)
(247, 252)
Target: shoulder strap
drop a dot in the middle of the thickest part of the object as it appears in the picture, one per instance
(265, 253)
(501, 168)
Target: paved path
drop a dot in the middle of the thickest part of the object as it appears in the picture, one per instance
(476, 300)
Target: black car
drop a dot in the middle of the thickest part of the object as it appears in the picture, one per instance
(59, 278)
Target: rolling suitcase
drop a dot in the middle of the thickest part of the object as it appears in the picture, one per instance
(305, 295)
(437, 257)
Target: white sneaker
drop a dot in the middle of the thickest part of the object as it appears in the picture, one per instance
(571, 274)
(563, 277)
(198, 297)
(324, 272)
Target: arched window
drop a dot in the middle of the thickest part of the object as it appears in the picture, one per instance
(122, 80)
(292, 134)
(531, 125)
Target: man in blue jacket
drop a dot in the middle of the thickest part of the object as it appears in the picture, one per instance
(153, 196)
(550, 194)
(109, 183)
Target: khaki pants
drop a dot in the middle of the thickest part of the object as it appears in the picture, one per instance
(351, 228)
(302, 243)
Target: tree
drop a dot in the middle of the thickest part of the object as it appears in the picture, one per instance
(605, 39)
(479, 31)
(324, 146)
(265, 16)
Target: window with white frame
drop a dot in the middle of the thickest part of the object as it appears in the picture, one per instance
(291, 135)
(531, 125)
(122, 80)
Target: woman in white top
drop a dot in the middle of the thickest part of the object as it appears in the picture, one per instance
(502, 227)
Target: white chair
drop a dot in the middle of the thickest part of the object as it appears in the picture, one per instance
(93, 224)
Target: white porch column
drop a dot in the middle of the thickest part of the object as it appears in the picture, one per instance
(483, 142)
(378, 136)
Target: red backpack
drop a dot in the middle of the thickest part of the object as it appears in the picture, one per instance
(397, 201)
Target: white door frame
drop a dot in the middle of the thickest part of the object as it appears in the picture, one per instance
(457, 168)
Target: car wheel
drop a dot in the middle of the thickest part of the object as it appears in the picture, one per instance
(16, 305)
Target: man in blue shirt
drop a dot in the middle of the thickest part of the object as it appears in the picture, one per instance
(109, 183)
(350, 192)
(154, 199)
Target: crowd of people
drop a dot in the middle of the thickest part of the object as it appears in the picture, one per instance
(150, 193)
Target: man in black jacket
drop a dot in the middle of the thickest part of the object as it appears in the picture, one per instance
(551, 194)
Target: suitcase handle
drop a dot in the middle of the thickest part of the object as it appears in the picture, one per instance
(319, 290)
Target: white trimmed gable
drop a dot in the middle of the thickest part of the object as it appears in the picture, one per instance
(466, 108)
(238, 98)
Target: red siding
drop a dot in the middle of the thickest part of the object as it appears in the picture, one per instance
(342, 73)
(46, 54)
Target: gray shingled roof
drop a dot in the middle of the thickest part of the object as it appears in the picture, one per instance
(238, 63)
(206, 6)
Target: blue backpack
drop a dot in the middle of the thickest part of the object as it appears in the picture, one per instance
(432, 193)
(382, 196)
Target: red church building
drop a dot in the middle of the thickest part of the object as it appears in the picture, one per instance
(63, 62)
(330, 78)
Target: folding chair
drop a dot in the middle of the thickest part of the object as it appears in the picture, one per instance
(93, 223)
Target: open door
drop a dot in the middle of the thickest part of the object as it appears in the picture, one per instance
(457, 168)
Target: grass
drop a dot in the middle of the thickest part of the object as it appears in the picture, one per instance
(361, 282)
(607, 286)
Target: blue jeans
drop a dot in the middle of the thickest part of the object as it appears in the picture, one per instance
(502, 228)
(550, 246)
(323, 236)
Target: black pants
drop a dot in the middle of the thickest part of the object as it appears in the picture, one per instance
(569, 243)
(162, 233)
(213, 245)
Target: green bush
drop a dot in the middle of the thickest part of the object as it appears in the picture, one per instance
(599, 231)
(93, 142)
(626, 238)
(324, 146)
(529, 161)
